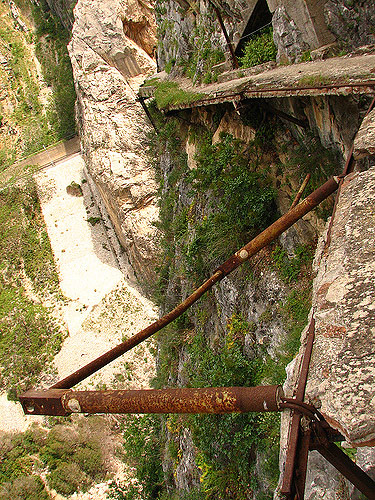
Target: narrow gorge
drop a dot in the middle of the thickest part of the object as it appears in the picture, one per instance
(198, 122)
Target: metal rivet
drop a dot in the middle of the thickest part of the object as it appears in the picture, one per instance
(244, 254)
(73, 405)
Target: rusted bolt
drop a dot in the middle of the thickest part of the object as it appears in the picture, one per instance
(243, 254)
(74, 406)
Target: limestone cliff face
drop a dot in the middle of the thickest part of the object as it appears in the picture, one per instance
(341, 373)
(111, 47)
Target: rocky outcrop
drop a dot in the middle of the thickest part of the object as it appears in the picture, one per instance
(353, 23)
(287, 37)
(344, 303)
(364, 144)
(342, 368)
(108, 68)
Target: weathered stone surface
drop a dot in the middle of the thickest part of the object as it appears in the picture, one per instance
(287, 37)
(351, 22)
(341, 377)
(364, 144)
(108, 69)
(342, 369)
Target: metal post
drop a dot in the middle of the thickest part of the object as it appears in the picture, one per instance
(301, 190)
(146, 110)
(294, 431)
(207, 400)
(348, 468)
(226, 36)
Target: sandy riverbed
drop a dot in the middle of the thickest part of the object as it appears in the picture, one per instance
(101, 307)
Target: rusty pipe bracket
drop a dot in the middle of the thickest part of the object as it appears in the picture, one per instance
(44, 402)
(218, 400)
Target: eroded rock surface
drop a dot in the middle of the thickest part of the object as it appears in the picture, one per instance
(342, 368)
(364, 144)
(341, 377)
(108, 68)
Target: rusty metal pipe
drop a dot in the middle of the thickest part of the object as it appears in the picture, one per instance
(262, 240)
(207, 400)
(294, 429)
(235, 64)
(278, 227)
(300, 191)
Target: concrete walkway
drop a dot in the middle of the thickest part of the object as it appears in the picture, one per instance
(334, 76)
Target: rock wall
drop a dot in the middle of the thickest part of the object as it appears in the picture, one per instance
(353, 23)
(64, 10)
(341, 374)
(108, 68)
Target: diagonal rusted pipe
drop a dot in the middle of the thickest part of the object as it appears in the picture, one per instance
(259, 242)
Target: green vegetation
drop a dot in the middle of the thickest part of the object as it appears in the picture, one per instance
(310, 157)
(170, 94)
(71, 455)
(201, 47)
(52, 53)
(204, 55)
(94, 220)
(32, 121)
(290, 269)
(314, 81)
(142, 450)
(259, 49)
(29, 337)
(243, 201)
(206, 213)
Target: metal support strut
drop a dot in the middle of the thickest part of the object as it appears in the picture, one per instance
(207, 400)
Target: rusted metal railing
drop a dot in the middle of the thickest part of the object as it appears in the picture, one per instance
(60, 400)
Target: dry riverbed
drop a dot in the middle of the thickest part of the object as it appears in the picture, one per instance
(101, 307)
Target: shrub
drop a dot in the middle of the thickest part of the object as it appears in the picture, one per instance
(291, 269)
(243, 202)
(227, 443)
(67, 478)
(24, 488)
(259, 49)
(142, 449)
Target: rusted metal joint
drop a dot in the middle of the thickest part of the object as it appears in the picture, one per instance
(301, 407)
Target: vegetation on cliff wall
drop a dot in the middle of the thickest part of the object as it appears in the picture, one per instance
(259, 49)
(29, 335)
(211, 203)
(38, 105)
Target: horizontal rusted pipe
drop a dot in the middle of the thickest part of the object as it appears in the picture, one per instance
(207, 400)
(262, 240)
